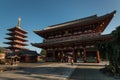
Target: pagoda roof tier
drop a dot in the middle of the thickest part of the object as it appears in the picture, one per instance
(74, 41)
(101, 21)
(18, 29)
(14, 47)
(16, 38)
(17, 33)
(16, 42)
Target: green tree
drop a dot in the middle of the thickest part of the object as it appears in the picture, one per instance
(112, 47)
(102, 49)
(115, 45)
(1, 50)
(43, 52)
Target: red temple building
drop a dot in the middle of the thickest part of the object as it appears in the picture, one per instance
(76, 39)
(17, 38)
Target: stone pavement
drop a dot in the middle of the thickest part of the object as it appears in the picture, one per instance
(32, 71)
(90, 71)
(56, 71)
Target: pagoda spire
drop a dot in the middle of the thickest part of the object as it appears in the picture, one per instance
(19, 19)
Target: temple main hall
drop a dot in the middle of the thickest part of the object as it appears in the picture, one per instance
(75, 39)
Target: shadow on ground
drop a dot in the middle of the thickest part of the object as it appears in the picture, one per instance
(39, 73)
(88, 74)
(82, 72)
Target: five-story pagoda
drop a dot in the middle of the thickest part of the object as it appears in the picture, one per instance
(17, 38)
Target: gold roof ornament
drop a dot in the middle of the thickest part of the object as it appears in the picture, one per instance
(19, 19)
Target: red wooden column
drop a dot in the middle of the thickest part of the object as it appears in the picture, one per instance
(62, 59)
(98, 56)
(84, 55)
(60, 56)
(53, 55)
(46, 56)
(74, 55)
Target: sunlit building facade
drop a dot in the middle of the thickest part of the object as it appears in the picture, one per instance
(76, 39)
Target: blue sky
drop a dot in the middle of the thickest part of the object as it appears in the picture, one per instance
(38, 14)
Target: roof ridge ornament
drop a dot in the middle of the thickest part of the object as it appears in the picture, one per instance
(19, 19)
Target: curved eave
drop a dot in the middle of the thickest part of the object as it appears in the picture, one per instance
(16, 38)
(14, 33)
(38, 45)
(39, 34)
(18, 29)
(16, 43)
(13, 47)
(10, 47)
(79, 24)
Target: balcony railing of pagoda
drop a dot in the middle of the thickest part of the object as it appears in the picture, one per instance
(71, 38)
(22, 39)
(21, 34)
(20, 42)
(17, 46)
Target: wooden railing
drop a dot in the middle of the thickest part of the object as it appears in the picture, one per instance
(71, 38)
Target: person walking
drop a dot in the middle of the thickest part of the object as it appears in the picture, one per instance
(72, 61)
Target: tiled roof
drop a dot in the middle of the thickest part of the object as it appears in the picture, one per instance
(71, 24)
